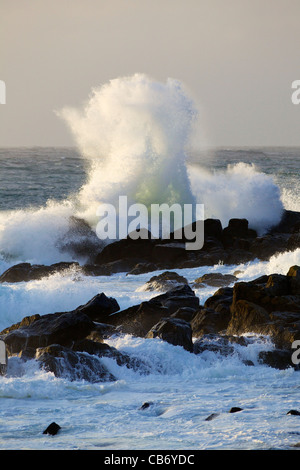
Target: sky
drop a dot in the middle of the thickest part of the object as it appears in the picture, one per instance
(237, 58)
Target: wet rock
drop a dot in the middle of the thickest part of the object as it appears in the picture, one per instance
(169, 254)
(139, 250)
(235, 409)
(164, 282)
(209, 321)
(146, 405)
(52, 429)
(142, 268)
(268, 245)
(278, 359)
(101, 332)
(99, 308)
(289, 221)
(104, 350)
(214, 343)
(72, 365)
(174, 331)
(237, 229)
(184, 313)
(139, 319)
(212, 416)
(214, 280)
(294, 279)
(61, 328)
(24, 272)
(80, 240)
(268, 305)
(293, 413)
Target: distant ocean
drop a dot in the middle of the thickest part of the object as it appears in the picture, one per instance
(40, 188)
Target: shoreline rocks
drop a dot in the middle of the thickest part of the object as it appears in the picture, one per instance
(71, 344)
(234, 244)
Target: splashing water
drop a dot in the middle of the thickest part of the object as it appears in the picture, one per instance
(135, 132)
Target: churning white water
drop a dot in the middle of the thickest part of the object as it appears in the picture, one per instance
(133, 136)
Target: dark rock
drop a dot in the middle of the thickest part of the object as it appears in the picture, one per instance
(237, 229)
(140, 249)
(184, 313)
(173, 330)
(80, 240)
(99, 308)
(293, 413)
(164, 281)
(65, 363)
(215, 343)
(212, 416)
(101, 332)
(146, 405)
(169, 254)
(212, 228)
(215, 280)
(209, 321)
(269, 305)
(52, 429)
(24, 272)
(278, 359)
(268, 245)
(141, 268)
(61, 328)
(289, 221)
(294, 279)
(235, 409)
(139, 319)
(294, 241)
(104, 350)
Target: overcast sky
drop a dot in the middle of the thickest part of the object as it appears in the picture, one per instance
(238, 58)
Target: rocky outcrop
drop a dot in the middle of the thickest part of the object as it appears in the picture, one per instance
(63, 362)
(174, 331)
(214, 280)
(268, 305)
(139, 319)
(164, 282)
(72, 344)
(237, 243)
(27, 272)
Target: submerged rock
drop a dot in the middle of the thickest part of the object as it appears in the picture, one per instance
(212, 416)
(235, 409)
(52, 429)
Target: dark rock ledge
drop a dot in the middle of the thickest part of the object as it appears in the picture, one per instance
(234, 244)
(72, 344)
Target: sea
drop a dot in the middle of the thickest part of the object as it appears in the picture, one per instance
(40, 188)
